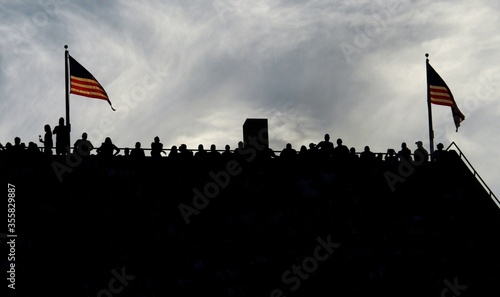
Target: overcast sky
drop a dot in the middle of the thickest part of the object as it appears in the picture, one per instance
(192, 71)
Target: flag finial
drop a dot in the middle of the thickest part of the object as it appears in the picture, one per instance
(427, 57)
(66, 46)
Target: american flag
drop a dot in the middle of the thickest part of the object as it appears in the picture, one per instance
(440, 94)
(83, 83)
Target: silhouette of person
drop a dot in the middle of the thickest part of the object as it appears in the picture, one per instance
(420, 153)
(174, 153)
(62, 138)
(367, 156)
(439, 154)
(353, 157)
(201, 154)
(241, 147)
(33, 150)
(266, 154)
(288, 153)
(157, 148)
(303, 150)
(108, 149)
(18, 148)
(83, 146)
(341, 152)
(404, 153)
(184, 153)
(137, 153)
(227, 154)
(8, 150)
(47, 140)
(325, 146)
(391, 158)
(214, 155)
(313, 152)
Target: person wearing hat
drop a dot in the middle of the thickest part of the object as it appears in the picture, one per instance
(420, 153)
(438, 154)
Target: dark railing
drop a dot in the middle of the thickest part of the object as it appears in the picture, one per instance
(476, 174)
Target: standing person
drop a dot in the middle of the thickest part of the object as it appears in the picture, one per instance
(157, 148)
(439, 154)
(325, 146)
(62, 138)
(137, 153)
(341, 152)
(227, 154)
(288, 153)
(47, 141)
(404, 153)
(420, 154)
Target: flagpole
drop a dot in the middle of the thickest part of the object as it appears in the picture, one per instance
(66, 55)
(431, 131)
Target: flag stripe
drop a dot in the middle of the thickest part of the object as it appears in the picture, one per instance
(442, 102)
(96, 95)
(85, 89)
(87, 85)
(440, 95)
(438, 88)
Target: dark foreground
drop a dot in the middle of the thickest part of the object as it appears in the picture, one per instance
(250, 228)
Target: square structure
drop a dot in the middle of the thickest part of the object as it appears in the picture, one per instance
(257, 130)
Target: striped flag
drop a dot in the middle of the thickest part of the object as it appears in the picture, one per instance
(83, 83)
(440, 94)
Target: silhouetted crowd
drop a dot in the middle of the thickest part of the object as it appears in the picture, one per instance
(324, 150)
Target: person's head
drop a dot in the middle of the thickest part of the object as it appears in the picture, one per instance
(84, 136)
(303, 148)
(173, 149)
(17, 141)
(200, 147)
(327, 137)
(157, 139)
(61, 121)
(213, 148)
(289, 146)
(352, 150)
(339, 141)
(47, 128)
(440, 146)
(107, 140)
(182, 147)
(367, 148)
(240, 145)
(227, 147)
(403, 145)
(311, 146)
(419, 144)
(138, 145)
(391, 152)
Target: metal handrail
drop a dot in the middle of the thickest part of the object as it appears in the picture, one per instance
(476, 174)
